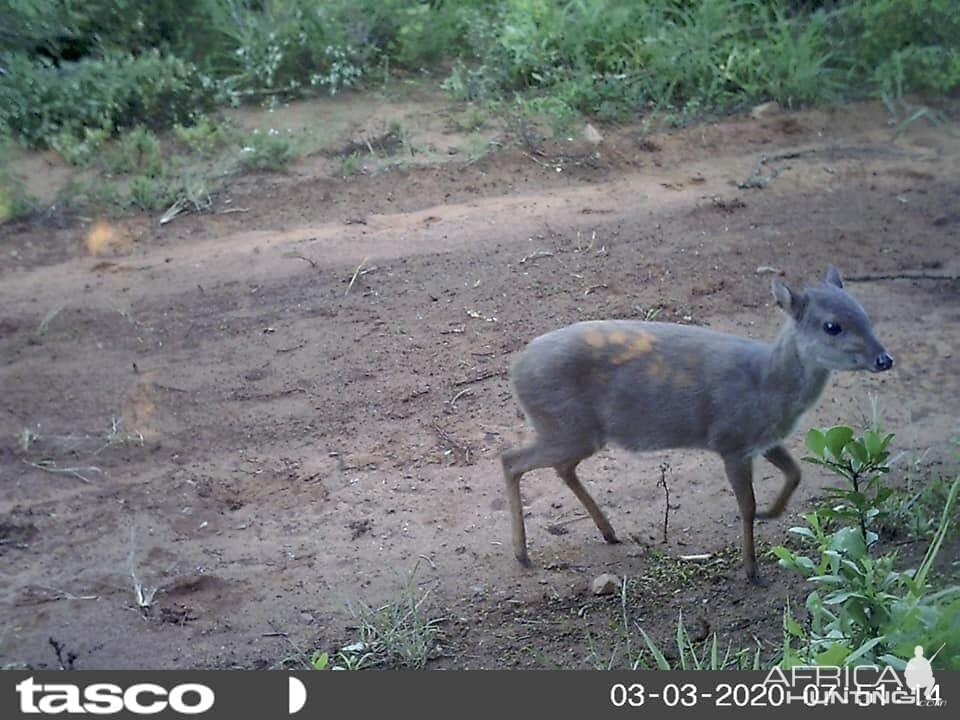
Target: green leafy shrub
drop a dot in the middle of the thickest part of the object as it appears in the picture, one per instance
(152, 193)
(911, 512)
(863, 608)
(77, 151)
(40, 101)
(269, 150)
(137, 151)
(65, 30)
(609, 58)
(14, 200)
(861, 462)
(204, 135)
(905, 45)
(286, 48)
(118, 63)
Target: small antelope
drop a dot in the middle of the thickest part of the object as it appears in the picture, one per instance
(652, 386)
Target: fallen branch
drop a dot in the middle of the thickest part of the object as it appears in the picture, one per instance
(433, 565)
(756, 180)
(479, 378)
(291, 349)
(536, 255)
(540, 162)
(465, 391)
(361, 270)
(298, 256)
(64, 595)
(170, 388)
(178, 207)
(72, 471)
(463, 451)
(569, 521)
(267, 395)
(356, 273)
(899, 276)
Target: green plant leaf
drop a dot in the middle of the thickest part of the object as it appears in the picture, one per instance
(319, 661)
(858, 613)
(875, 444)
(837, 438)
(863, 649)
(848, 542)
(894, 662)
(857, 451)
(791, 625)
(834, 655)
(662, 662)
(831, 579)
(816, 442)
(842, 596)
(782, 553)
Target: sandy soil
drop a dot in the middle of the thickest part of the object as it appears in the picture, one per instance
(290, 404)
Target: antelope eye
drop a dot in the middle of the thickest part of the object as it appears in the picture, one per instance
(831, 328)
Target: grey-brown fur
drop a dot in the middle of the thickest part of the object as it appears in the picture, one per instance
(652, 386)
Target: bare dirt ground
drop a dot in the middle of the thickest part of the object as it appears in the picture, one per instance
(318, 376)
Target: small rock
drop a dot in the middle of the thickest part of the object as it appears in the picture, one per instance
(605, 584)
(592, 135)
(765, 110)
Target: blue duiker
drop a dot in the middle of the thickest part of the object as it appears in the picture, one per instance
(652, 386)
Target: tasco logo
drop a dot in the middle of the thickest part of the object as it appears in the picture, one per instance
(106, 698)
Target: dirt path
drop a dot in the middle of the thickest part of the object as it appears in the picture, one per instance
(289, 408)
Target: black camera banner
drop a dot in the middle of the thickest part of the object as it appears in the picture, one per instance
(235, 695)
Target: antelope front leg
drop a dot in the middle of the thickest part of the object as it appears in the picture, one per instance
(783, 461)
(740, 474)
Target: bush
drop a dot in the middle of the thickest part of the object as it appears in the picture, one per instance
(286, 48)
(118, 63)
(40, 101)
(905, 45)
(151, 193)
(270, 150)
(608, 57)
(137, 151)
(864, 610)
(77, 151)
(14, 200)
(205, 135)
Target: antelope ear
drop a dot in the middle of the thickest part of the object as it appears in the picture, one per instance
(833, 276)
(791, 302)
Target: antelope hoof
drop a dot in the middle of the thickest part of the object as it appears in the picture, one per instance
(612, 539)
(756, 580)
(524, 559)
(768, 514)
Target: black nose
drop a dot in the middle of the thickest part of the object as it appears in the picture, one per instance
(884, 361)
